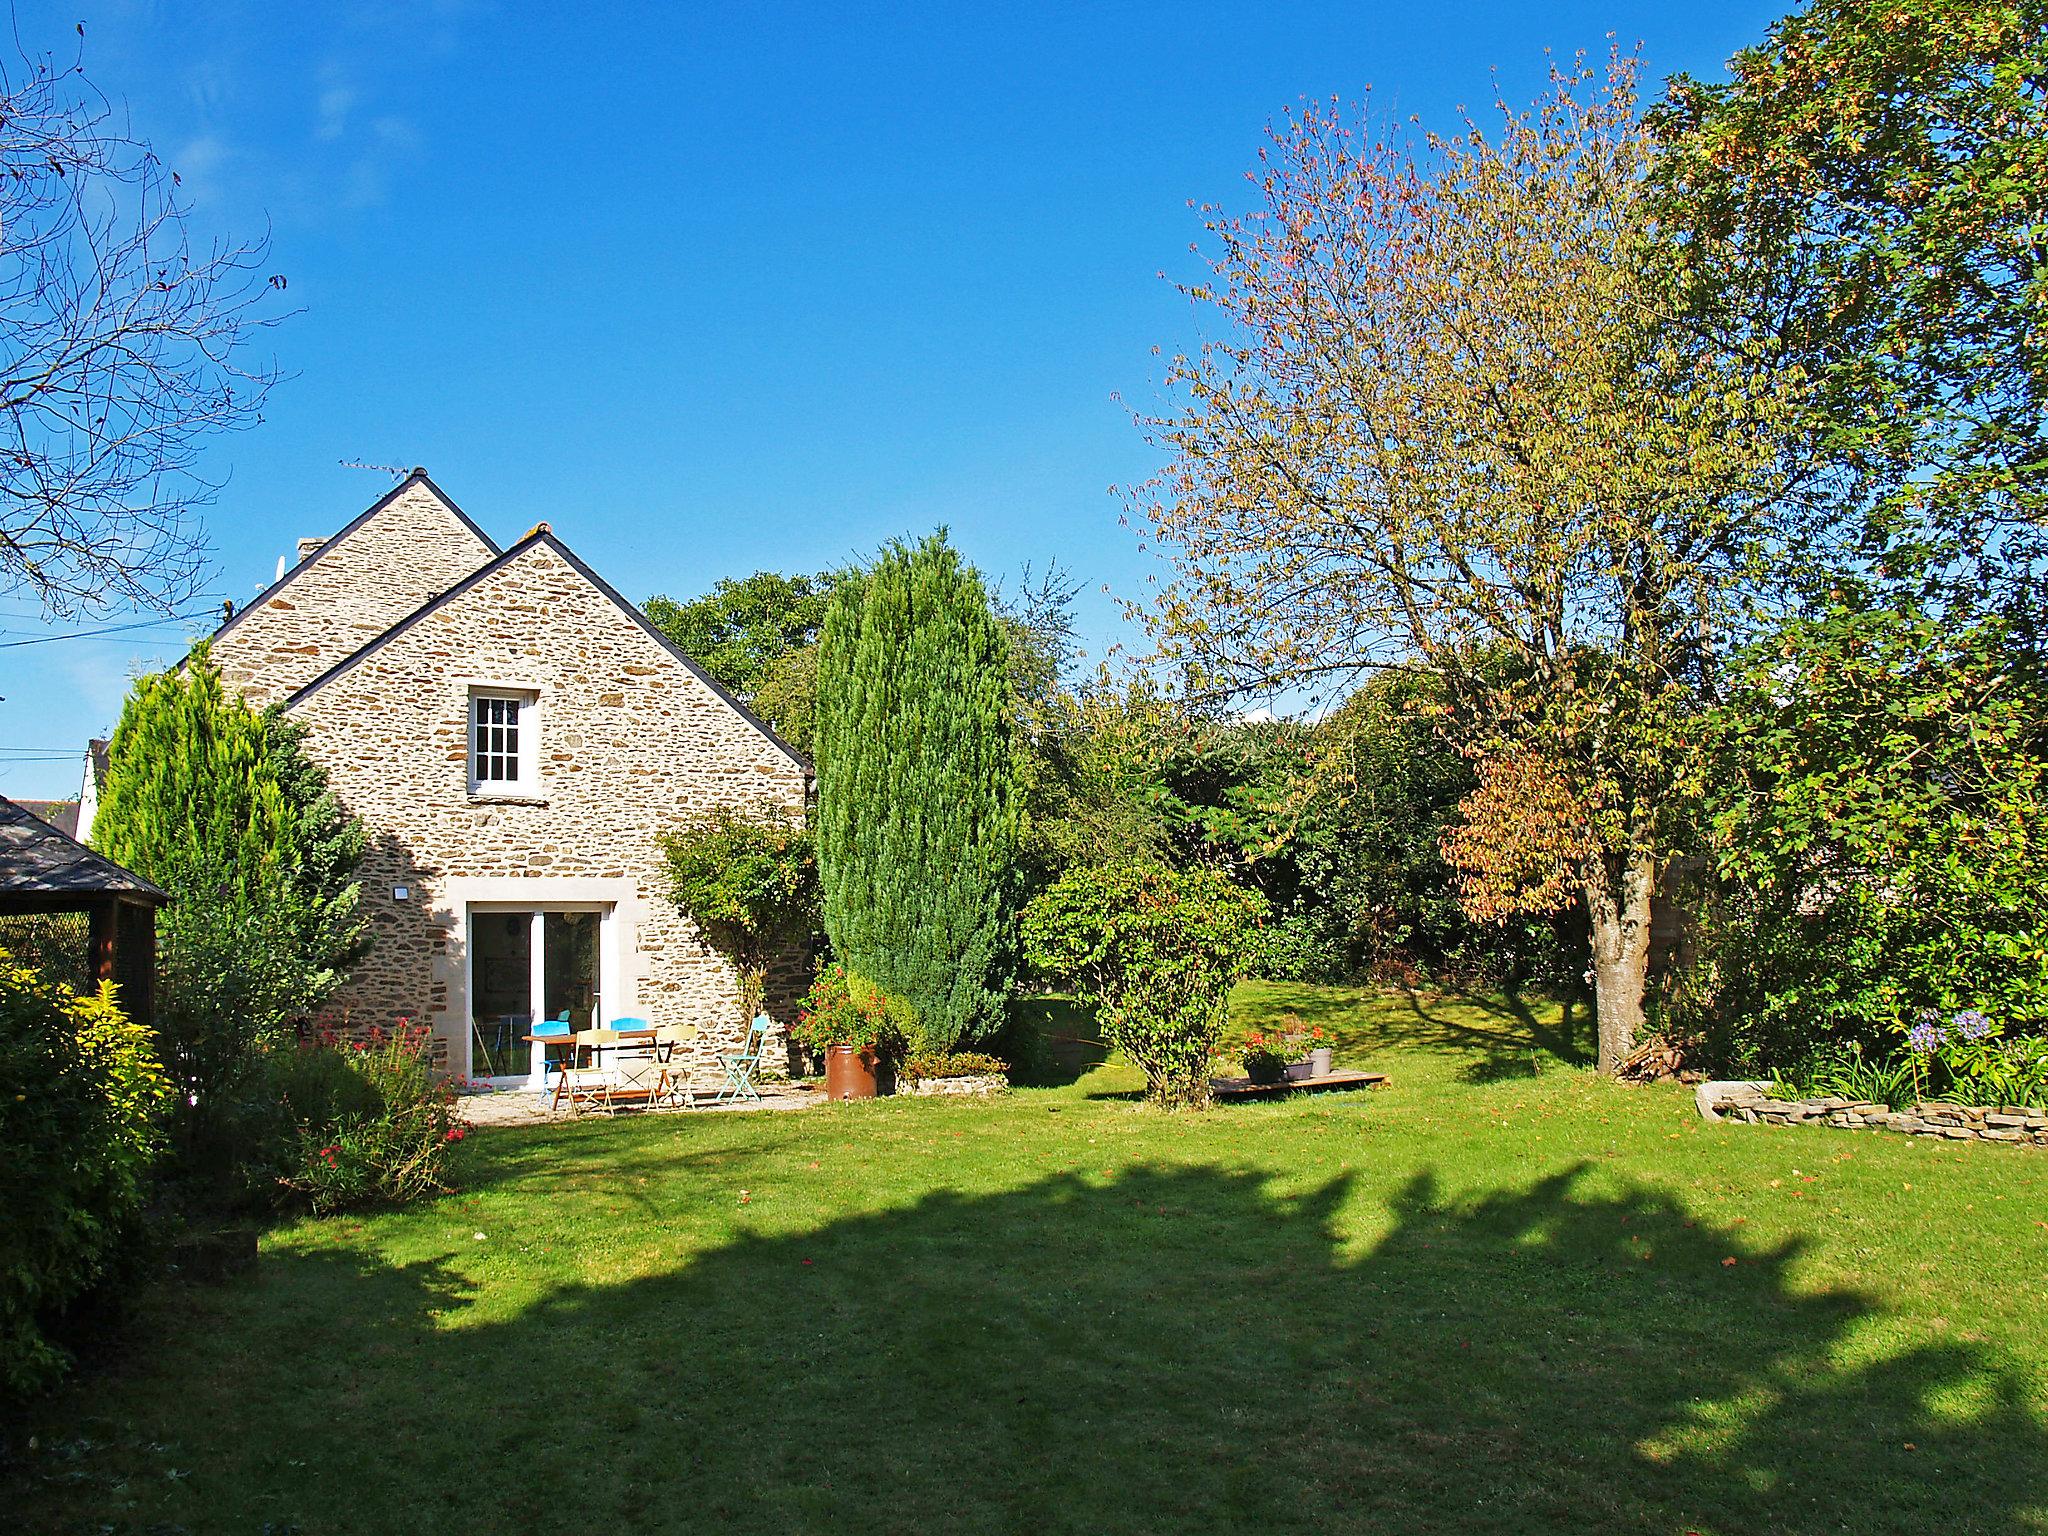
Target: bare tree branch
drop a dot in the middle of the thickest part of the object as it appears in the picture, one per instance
(123, 351)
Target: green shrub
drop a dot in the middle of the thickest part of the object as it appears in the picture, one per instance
(750, 884)
(1305, 945)
(392, 1123)
(920, 1065)
(221, 806)
(1877, 837)
(81, 1095)
(1155, 951)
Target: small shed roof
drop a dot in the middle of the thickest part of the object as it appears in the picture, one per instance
(38, 862)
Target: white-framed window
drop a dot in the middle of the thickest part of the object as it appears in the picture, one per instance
(504, 741)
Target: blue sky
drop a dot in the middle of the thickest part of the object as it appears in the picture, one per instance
(713, 288)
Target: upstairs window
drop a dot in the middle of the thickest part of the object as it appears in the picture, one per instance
(504, 728)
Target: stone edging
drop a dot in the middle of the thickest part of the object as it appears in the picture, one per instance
(983, 1086)
(1752, 1104)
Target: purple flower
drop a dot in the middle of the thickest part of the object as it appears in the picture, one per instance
(1971, 1024)
(1925, 1036)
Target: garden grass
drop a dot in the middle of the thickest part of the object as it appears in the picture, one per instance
(1499, 1294)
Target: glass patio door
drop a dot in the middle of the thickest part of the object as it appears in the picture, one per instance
(526, 966)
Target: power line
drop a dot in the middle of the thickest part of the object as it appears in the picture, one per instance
(111, 629)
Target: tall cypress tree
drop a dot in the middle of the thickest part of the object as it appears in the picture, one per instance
(918, 806)
(220, 805)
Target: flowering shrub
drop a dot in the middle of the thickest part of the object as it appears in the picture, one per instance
(920, 1065)
(844, 1009)
(1967, 1058)
(82, 1094)
(388, 1140)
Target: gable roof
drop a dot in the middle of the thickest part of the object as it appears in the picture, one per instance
(543, 535)
(37, 860)
(417, 477)
(61, 814)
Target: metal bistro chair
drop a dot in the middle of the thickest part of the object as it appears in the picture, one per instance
(579, 1087)
(741, 1066)
(636, 1065)
(673, 1088)
(551, 1028)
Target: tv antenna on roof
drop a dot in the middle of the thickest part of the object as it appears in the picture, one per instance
(390, 469)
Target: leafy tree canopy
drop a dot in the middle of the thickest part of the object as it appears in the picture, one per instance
(741, 628)
(1452, 418)
(1868, 193)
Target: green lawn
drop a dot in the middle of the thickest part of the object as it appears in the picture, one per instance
(1500, 1294)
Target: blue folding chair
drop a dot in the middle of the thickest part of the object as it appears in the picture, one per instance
(742, 1065)
(548, 1068)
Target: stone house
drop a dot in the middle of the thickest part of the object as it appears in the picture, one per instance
(514, 734)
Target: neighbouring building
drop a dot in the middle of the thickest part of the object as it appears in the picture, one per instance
(514, 734)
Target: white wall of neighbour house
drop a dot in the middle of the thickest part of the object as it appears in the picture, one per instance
(632, 742)
(88, 799)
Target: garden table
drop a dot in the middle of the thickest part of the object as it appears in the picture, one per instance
(569, 1080)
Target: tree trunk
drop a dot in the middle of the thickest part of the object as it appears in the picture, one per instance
(1618, 908)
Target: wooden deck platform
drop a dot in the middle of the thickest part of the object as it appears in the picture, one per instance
(1245, 1088)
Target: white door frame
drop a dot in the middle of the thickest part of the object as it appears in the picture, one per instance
(608, 975)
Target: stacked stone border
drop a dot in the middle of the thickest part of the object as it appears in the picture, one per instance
(1752, 1104)
(984, 1086)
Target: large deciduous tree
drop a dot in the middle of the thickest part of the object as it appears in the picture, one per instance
(917, 797)
(759, 637)
(1446, 422)
(1867, 194)
(1868, 191)
(123, 348)
(741, 628)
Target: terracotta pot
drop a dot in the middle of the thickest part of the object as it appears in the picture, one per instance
(849, 1072)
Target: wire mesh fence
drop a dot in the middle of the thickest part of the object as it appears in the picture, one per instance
(59, 944)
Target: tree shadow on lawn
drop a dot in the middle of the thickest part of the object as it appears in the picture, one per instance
(1166, 1350)
(1492, 1035)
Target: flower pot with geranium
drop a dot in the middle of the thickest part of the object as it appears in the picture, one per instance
(850, 1023)
(1263, 1063)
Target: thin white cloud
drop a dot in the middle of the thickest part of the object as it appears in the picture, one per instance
(331, 116)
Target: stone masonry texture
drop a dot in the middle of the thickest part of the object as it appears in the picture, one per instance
(631, 743)
(413, 548)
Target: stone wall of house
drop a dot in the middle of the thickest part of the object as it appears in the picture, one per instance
(1751, 1104)
(409, 550)
(632, 742)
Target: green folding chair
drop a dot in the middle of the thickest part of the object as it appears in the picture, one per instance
(742, 1065)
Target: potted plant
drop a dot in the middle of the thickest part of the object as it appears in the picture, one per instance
(1263, 1064)
(1303, 1050)
(846, 1021)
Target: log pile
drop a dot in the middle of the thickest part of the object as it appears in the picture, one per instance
(1659, 1059)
